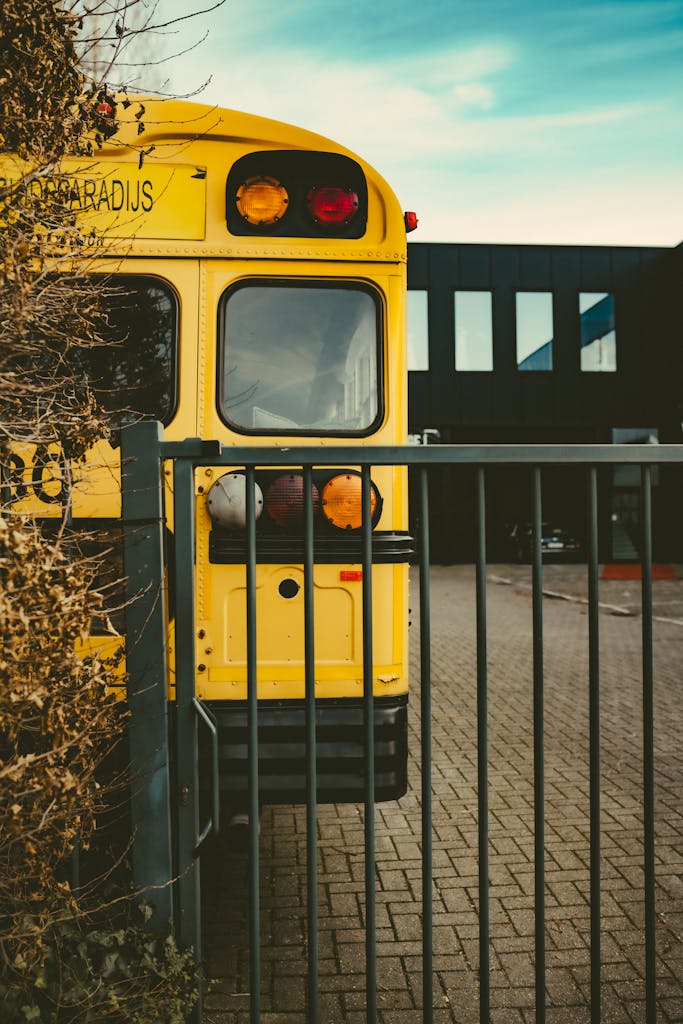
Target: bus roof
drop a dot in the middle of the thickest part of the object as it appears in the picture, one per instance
(167, 166)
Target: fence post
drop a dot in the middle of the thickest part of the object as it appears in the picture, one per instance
(146, 664)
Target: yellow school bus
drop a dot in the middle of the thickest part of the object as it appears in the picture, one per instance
(259, 299)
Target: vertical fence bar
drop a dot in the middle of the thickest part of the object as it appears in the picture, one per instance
(539, 785)
(648, 747)
(482, 756)
(369, 720)
(426, 751)
(146, 663)
(594, 739)
(189, 904)
(252, 728)
(311, 749)
(67, 512)
(67, 519)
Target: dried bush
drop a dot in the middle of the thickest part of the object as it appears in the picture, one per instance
(47, 111)
(69, 952)
(56, 718)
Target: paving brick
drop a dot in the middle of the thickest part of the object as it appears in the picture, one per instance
(455, 902)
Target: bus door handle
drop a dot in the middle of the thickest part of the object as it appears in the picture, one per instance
(213, 824)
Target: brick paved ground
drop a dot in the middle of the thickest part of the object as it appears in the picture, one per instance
(341, 858)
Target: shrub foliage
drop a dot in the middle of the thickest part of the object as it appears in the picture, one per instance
(70, 951)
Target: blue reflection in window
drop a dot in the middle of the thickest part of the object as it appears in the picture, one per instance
(598, 337)
(534, 330)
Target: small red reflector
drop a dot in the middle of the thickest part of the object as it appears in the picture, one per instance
(351, 575)
(410, 219)
(329, 204)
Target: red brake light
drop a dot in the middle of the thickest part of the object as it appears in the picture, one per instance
(410, 219)
(332, 204)
(285, 500)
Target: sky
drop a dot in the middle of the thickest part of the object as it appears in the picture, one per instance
(535, 121)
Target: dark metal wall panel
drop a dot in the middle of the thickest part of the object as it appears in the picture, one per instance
(562, 406)
(566, 378)
(418, 266)
(535, 270)
(419, 395)
(565, 265)
(477, 398)
(445, 385)
(507, 398)
(596, 269)
(474, 266)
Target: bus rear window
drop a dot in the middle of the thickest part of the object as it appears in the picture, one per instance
(300, 358)
(132, 373)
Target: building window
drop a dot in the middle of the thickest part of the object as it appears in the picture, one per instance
(473, 331)
(598, 338)
(534, 330)
(418, 331)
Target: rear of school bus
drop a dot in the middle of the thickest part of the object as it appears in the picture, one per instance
(271, 265)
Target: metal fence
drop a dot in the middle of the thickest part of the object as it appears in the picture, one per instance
(166, 812)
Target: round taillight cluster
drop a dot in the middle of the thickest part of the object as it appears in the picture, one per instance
(263, 201)
(340, 502)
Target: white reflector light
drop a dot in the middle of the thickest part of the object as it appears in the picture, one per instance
(226, 501)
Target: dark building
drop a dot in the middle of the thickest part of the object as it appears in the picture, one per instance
(547, 344)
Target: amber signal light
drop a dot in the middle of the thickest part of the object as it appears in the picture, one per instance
(262, 200)
(342, 501)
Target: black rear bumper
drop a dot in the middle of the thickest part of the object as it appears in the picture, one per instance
(340, 743)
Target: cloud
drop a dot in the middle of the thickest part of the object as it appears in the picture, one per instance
(502, 137)
(442, 68)
(575, 210)
(474, 94)
(387, 114)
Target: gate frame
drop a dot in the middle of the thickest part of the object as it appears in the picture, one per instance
(144, 452)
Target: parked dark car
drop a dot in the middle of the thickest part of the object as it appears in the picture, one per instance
(556, 541)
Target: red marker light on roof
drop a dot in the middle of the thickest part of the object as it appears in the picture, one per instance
(410, 219)
(332, 204)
